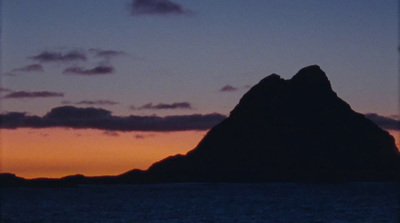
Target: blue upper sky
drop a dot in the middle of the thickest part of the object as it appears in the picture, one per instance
(126, 54)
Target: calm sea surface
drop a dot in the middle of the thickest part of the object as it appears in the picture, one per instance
(270, 202)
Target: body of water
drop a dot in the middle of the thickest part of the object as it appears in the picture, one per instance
(269, 202)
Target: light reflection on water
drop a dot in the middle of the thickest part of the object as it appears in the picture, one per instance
(270, 202)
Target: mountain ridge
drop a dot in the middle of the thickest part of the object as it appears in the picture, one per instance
(288, 129)
(295, 130)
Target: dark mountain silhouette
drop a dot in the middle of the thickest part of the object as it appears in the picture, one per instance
(288, 130)
(281, 130)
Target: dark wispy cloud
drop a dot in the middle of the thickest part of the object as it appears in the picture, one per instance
(51, 56)
(107, 54)
(111, 133)
(97, 118)
(228, 88)
(162, 106)
(156, 7)
(32, 94)
(98, 70)
(142, 136)
(4, 89)
(29, 68)
(389, 123)
(92, 102)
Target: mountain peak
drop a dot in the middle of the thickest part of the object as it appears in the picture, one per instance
(288, 130)
(271, 77)
(312, 77)
(312, 68)
(310, 86)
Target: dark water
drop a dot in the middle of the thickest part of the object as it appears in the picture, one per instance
(274, 202)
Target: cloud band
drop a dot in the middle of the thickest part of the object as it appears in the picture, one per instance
(96, 118)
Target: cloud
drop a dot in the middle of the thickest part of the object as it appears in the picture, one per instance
(111, 133)
(97, 118)
(32, 94)
(92, 102)
(70, 56)
(142, 136)
(107, 54)
(139, 136)
(156, 7)
(384, 122)
(161, 106)
(228, 88)
(99, 70)
(5, 89)
(29, 68)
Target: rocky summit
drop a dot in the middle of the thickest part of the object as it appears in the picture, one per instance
(288, 130)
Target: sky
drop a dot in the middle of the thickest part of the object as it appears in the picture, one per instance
(163, 72)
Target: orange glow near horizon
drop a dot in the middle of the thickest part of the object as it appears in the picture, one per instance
(396, 136)
(57, 152)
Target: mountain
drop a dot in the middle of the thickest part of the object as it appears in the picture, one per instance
(288, 130)
(295, 130)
